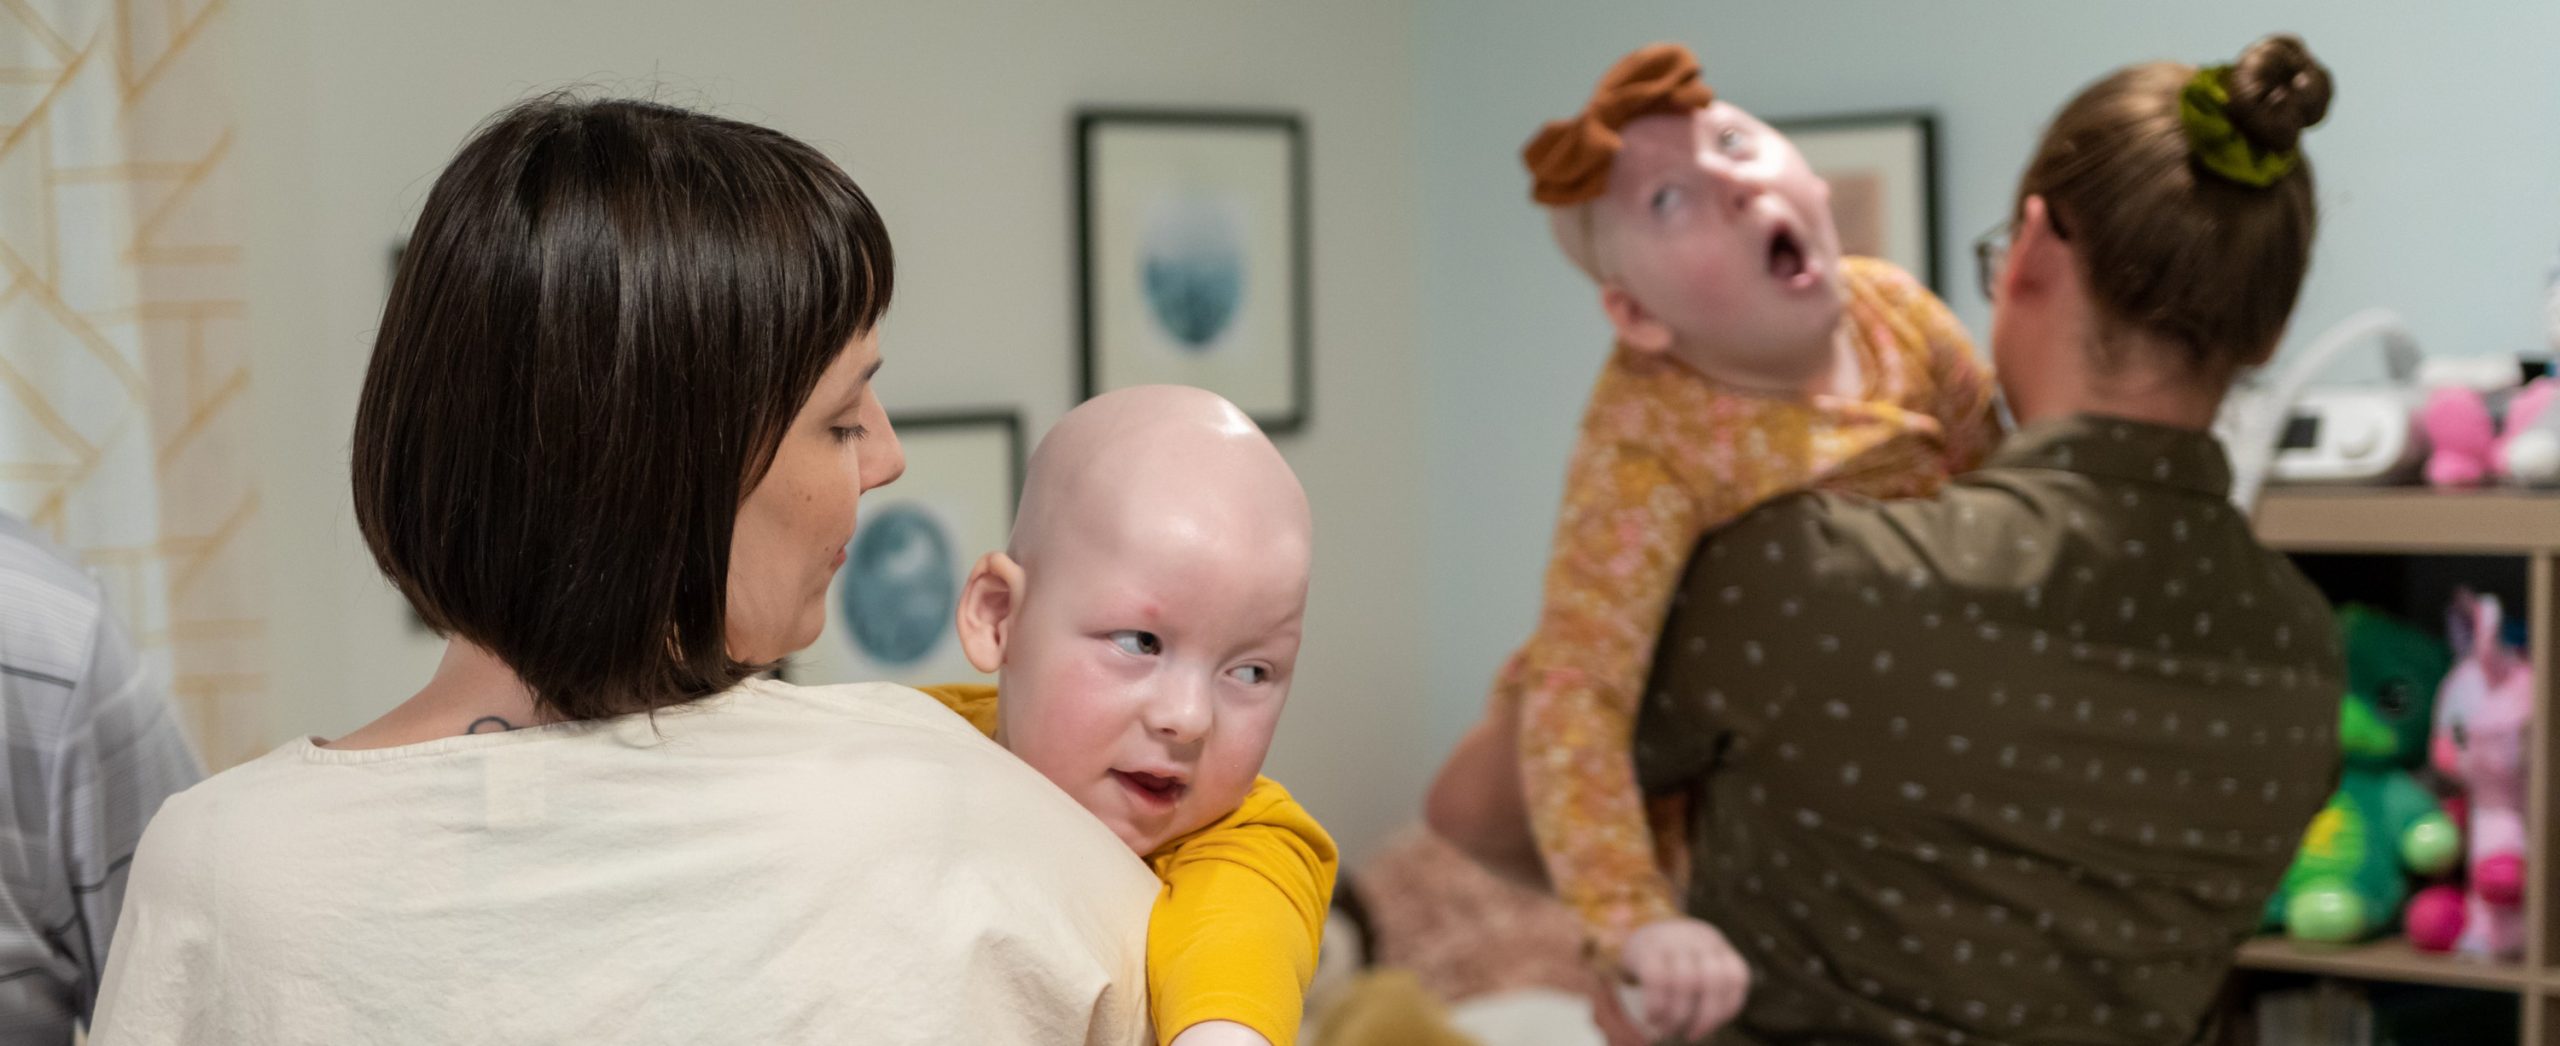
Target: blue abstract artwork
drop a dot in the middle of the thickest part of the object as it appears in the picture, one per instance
(901, 584)
(1192, 227)
(1192, 266)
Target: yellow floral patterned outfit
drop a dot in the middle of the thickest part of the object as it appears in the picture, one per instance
(1667, 455)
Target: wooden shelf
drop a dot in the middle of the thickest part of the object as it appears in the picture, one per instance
(2419, 521)
(2409, 520)
(2386, 960)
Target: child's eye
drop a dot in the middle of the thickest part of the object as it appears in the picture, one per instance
(1136, 643)
(1666, 198)
(1732, 142)
(1252, 675)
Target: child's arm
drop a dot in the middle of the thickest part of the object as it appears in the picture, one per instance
(1240, 920)
(1621, 543)
(1628, 527)
(1220, 1033)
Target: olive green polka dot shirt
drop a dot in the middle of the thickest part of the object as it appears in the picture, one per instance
(2017, 763)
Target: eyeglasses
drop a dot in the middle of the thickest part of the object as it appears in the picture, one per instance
(1991, 250)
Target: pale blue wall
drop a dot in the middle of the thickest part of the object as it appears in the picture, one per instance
(2439, 174)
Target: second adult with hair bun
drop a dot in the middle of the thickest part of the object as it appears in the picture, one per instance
(2021, 761)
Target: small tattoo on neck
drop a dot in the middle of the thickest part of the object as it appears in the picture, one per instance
(493, 725)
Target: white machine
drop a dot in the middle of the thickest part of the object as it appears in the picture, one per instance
(2346, 434)
(2282, 428)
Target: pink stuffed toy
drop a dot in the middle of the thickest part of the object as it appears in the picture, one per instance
(2469, 448)
(2462, 437)
(2482, 715)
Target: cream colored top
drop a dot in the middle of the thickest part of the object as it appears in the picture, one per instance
(772, 864)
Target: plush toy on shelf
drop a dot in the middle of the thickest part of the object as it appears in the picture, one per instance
(2381, 825)
(2482, 716)
(2470, 446)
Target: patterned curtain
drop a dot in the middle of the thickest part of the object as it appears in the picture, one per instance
(125, 428)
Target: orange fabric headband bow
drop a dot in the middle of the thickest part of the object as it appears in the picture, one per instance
(1569, 159)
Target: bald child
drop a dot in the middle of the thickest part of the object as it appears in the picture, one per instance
(1144, 625)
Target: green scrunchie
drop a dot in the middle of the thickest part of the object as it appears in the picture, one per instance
(2203, 110)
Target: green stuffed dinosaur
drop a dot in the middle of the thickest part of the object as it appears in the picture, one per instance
(2352, 874)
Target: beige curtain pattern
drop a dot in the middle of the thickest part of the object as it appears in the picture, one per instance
(125, 427)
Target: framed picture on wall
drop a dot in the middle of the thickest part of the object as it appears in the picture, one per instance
(1883, 170)
(1191, 234)
(889, 609)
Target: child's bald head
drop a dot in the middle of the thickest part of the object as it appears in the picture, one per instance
(1159, 458)
(1147, 617)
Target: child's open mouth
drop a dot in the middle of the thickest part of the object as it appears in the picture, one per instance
(1155, 790)
(1787, 259)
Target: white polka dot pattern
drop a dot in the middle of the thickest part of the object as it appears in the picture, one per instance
(2046, 786)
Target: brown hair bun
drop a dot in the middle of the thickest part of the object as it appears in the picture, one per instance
(2277, 90)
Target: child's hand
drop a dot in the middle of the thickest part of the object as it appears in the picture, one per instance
(1690, 980)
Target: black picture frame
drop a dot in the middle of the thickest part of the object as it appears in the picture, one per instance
(1007, 419)
(971, 518)
(1103, 339)
(1915, 131)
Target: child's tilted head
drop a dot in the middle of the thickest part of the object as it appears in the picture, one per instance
(1707, 231)
(1146, 619)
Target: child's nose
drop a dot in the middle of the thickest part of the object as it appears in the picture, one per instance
(1180, 713)
(1740, 186)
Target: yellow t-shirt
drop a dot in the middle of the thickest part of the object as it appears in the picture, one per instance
(1241, 915)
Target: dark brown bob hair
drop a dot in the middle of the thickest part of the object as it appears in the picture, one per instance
(607, 316)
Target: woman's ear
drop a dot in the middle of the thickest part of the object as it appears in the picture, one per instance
(989, 603)
(1637, 327)
(2038, 256)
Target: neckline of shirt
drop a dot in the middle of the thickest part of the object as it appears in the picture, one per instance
(2123, 449)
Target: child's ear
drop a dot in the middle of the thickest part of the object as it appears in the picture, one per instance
(989, 602)
(1638, 329)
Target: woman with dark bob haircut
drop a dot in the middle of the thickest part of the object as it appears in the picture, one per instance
(620, 412)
